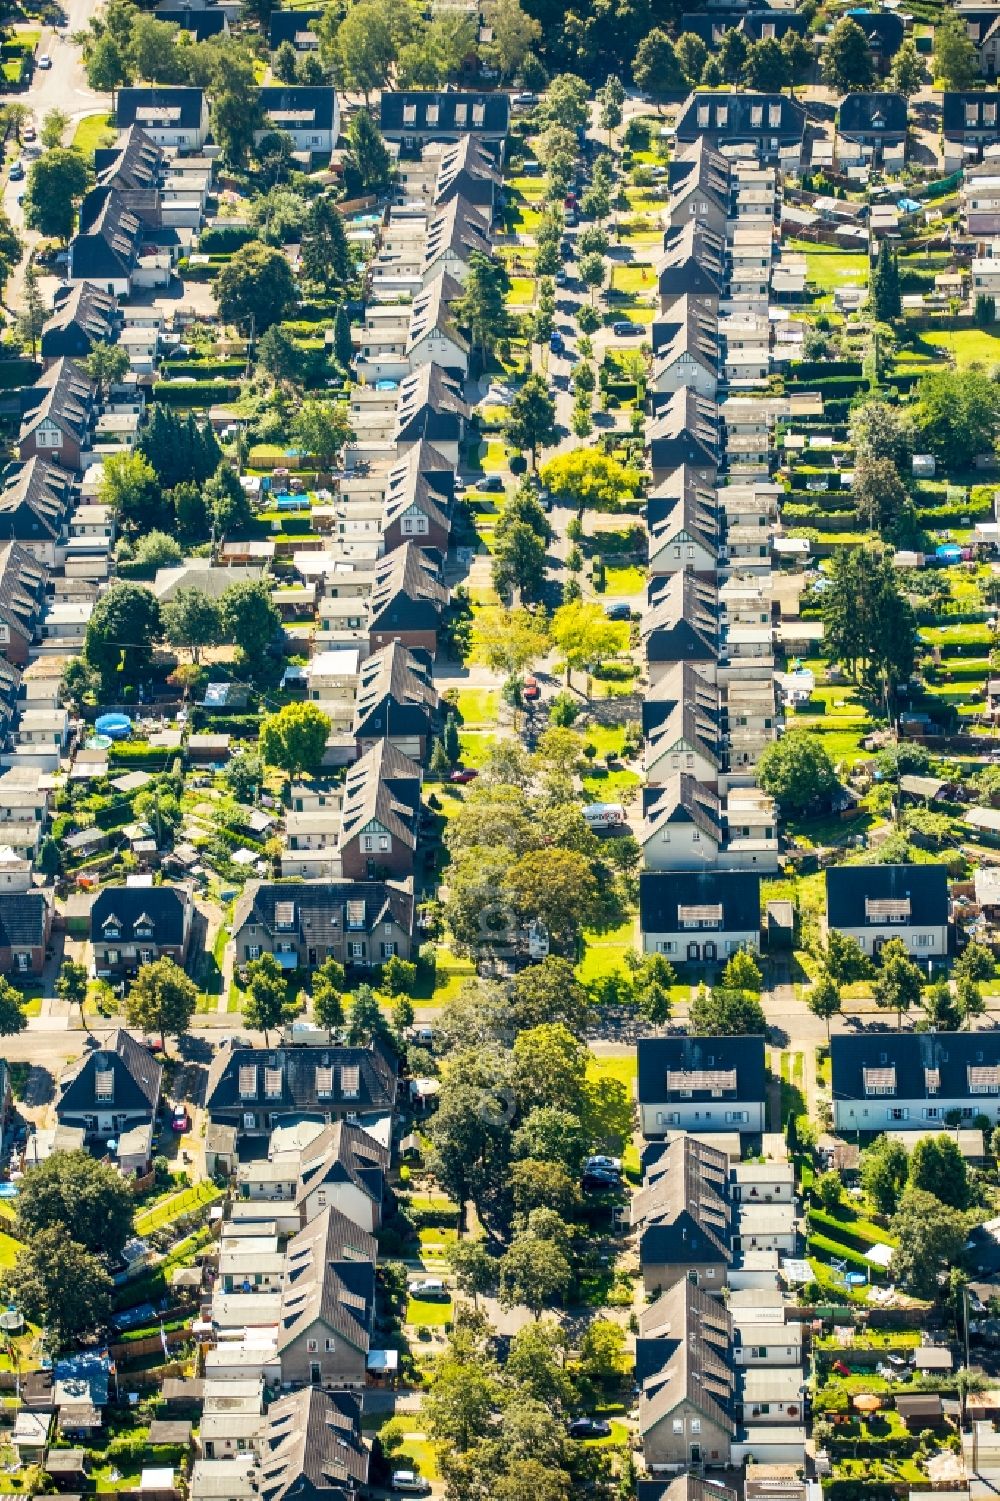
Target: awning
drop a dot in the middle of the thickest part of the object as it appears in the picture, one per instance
(288, 961)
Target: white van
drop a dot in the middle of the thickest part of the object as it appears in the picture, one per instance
(603, 815)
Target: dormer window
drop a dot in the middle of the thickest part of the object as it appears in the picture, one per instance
(350, 1081)
(104, 1085)
(112, 927)
(248, 1081)
(272, 1083)
(324, 1083)
(355, 915)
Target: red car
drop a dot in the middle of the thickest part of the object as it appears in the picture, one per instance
(531, 689)
(463, 776)
(179, 1119)
(840, 1368)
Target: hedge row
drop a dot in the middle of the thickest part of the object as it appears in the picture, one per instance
(837, 1250)
(806, 369)
(869, 1235)
(226, 237)
(196, 393)
(835, 386)
(197, 370)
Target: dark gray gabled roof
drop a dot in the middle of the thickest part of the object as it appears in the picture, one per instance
(741, 118)
(299, 106)
(63, 394)
(24, 919)
(684, 503)
(879, 114)
(161, 909)
(682, 799)
(321, 1079)
(697, 168)
(137, 1077)
(321, 1285)
(693, 1056)
(344, 1153)
(850, 888)
(683, 705)
(685, 430)
(383, 786)
(430, 406)
(754, 24)
(467, 169)
(915, 1066)
(442, 114)
(420, 477)
(684, 1354)
(159, 106)
(106, 245)
(406, 594)
(883, 30)
(36, 501)
(81, 317)
(202, 23)
(681, 620)
(312, 1447)
(395, 694)
(685, 311)
(133, 164)
(457, 228)
(22, 589)
(286, 25)
(693, 261)
(663, 895)
(975, 111)
(316, 912)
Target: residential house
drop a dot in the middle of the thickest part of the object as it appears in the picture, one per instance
(872, 127)
(295, 26)
(698, 178)
(344, 1169)
(327, 1310)
(25, 925)
(969, 124)
(359, 923)
(684, 1371)
(684, 1218)
(82, 316)
(468, 170)
(201, 23)
(682, 522)
(111, 1089)
(176, 117)
(396, 701)
(254, 1089)
(682, 727)
(873, 903)
(105, 248)
(693, 265)
(308, 113)
(134, 166)
(772, 124)
(414, 119)
(755, 25)
(691, 358)
(456, 231)
(703, 915)
(913, 1081)
(137, 923)
(418, 500)
(312, 1448)
(407, 601)
(22, 600)
(980, 200)
(884, 31)
(379, 816)
(59, 414)
(688, 825)
(982, 22)
(701, 1084)
(681, 624)
(36, 502)
(685, 430)
(430, 407)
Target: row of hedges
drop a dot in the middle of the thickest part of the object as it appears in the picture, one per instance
(838, 1250)
(196, 393)
(859, 1239)
(139, 754)
(198, 370)
(835, 386)
(225, 237)
(807, 369)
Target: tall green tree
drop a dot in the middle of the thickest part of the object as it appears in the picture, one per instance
(255, 287)
(846, 60)
(906, 76)
(83, 1199)
(56, 182)
(658, 68)
(161, 998)
(766, 67)
(60, 1284)
(31, 319)
(13, 1017)
(266, 1003)
(958, 415)
(885, 1168)
(236, 111)
(250, 618)
(531, 418)
(295, 738)
(367, 156)
(193, 620)
(868, 622)
(929, 1239)
(121, 632)
(955, 60)
(884, 289)
(898, 981)
(481, 307)
(326, 254)
(797, 772)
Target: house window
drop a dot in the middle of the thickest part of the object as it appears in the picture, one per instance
(321, 1198)
(696, 1425)
(248, 1081)
(104, 1085)
(253, 951)
(324, 1083)
(272, 1083)
(678, 1425)
(355, 914)
(312, 1346)
(22, 963)
(899, 1115)
(249, 1120)
(356, 950)
(145, 956)
(383, 843)
(388, 949)
(350, 1081)
(330, 1346)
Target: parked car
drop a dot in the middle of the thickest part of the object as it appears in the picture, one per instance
(597, 1180)
(45, 61)
(463, 774)
(626, 330)
(560, 278)
(28, 133)
(618, 610)
(589, 1428)
(492, 484)
(410, 1482)
(16, 170)
(179, 1119)
(531, 689)
(428, 1287)
(557, 344)
(609, 1164)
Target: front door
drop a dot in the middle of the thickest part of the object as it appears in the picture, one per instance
(314, 1373)
(693, 951)
(710, 952)
(696, 1454)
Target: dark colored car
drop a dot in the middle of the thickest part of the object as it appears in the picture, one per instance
(589, 1428)
(626, 330)
(618, 611)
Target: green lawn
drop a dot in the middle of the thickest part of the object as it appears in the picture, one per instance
(177, 1204)
(967, 346)
(93, 131)
(522, 291)
(428, 1312)
(417, 1454)
(478, 706)
(475, 746)
(607, 739)
(637, 279)
(620, 581)
(604, 952)
(622, 1069)
(9, 1250)
(828, 269)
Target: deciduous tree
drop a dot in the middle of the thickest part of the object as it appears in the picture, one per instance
(295, 738)
(82, 1199)
(161, 998)
(61, 1285)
